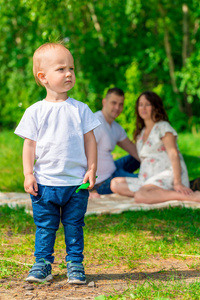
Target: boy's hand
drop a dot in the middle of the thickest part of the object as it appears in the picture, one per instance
(91, 176)
(30, 185)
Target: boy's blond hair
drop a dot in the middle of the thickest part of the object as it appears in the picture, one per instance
(39, 56)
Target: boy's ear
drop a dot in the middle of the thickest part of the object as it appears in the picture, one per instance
(42, 77)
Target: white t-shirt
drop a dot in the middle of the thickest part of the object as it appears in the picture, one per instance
(58, 129)
(107, 136)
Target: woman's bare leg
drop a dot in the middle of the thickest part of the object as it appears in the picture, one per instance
(119, 186)
(150, 193)
(153, 194)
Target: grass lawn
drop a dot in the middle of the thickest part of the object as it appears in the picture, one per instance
(156, 252)
(11, 179)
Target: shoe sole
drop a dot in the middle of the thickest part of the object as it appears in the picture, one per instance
(76, 281)
(34, 279)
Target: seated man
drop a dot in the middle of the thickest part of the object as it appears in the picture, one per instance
(108, 135)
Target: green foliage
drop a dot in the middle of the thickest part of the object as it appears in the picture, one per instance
(133, 89)
(135, 45)
(189, 78)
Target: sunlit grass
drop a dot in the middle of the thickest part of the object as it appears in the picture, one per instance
(149, 290)
(11, 178)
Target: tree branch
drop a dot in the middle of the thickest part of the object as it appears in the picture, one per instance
(169, 52)
(96, 23)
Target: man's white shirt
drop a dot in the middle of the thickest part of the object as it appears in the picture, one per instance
(107, 136)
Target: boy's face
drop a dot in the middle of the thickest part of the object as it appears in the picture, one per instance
(57, 73)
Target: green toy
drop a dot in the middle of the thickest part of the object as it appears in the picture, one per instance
(83, 186)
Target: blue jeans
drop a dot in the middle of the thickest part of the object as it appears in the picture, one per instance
(52, 205)
(125, 168)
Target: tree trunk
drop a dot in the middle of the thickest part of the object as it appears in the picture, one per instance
(96, 24)
(170, 57)
(185, 53)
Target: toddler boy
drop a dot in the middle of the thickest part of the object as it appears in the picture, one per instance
(58, 137)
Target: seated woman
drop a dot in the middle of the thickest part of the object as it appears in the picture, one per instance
(163, 174)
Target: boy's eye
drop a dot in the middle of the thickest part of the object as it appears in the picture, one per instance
(60, 69)
(71, 68)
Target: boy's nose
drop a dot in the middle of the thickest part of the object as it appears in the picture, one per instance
(68, 73)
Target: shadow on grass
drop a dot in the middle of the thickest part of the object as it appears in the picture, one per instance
(176, 275)
(161, 276)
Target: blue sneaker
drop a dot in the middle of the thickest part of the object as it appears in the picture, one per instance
(40, 271)
(75, 273)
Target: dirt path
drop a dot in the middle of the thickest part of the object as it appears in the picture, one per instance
(101, 280)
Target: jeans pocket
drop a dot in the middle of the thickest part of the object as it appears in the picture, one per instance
(40, 195)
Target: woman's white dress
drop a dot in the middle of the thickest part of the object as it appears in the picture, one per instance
(155, 167)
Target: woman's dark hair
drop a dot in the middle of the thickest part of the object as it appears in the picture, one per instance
(158, 111)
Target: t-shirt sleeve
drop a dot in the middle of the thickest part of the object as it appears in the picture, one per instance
(165, 127)
(89, 120)
(98, 133)
(27, 127)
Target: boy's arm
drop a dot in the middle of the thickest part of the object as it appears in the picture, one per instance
(91, 154)
(30, 184)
